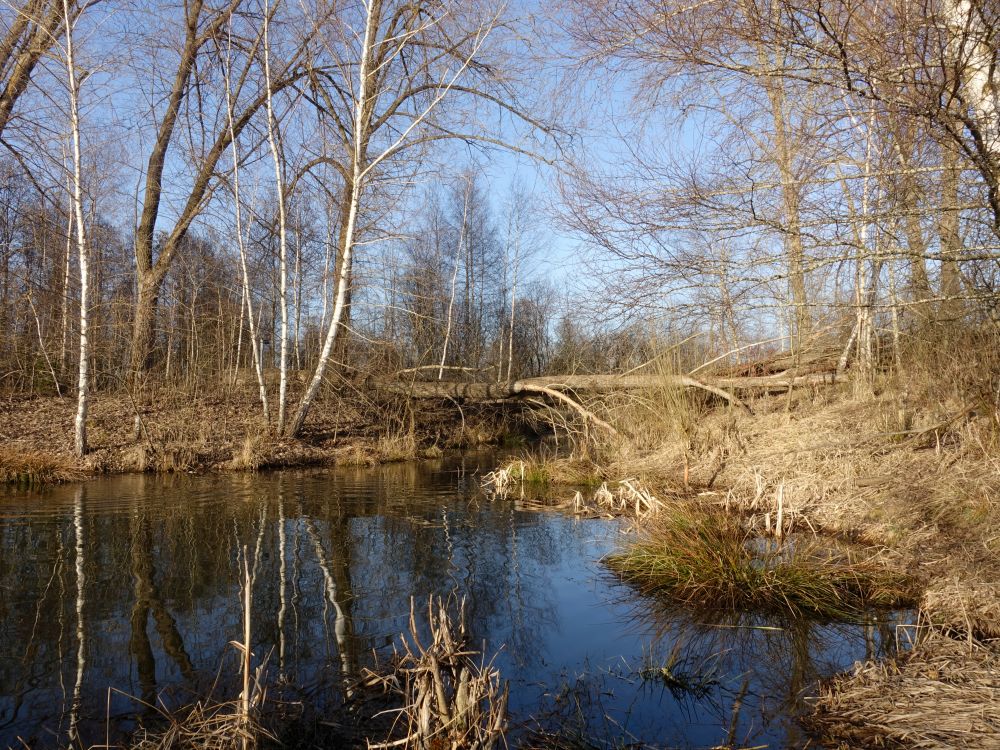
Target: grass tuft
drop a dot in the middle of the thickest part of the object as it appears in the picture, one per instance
(250, 456)
(32, 468)
(706, 558)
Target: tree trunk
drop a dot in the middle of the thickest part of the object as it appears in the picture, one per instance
(454, 278)
(353, 192)
(279, 186)
(83, 390)
(255, 346)
(949, 237)
(144, 326)
(791, 194)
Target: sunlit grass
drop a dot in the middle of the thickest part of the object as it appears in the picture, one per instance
(31, 468)
(706, 558)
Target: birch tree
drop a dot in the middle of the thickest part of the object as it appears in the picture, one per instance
(410, 58)
(73, 87)
(273, 141)
(459, 247)
(241, 243)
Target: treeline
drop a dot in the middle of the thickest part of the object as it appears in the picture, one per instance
(222, 190)
(800, 170)
(460, 290)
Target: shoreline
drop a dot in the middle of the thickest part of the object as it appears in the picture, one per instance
(912, 479)
(222, 433)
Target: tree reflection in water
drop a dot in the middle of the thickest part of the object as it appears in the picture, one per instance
(132, 583)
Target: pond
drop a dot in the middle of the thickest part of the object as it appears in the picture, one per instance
(126, 590)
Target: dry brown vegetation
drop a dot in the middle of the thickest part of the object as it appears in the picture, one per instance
(942, 694)
(184, 431)
(904, 470)
(203, 726)
(35, 466)
(450, 697)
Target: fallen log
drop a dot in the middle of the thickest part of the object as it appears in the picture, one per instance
(596, 384)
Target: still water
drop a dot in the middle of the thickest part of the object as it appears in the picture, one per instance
(123, 590)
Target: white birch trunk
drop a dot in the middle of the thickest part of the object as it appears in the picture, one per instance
(83, 391)
(257, 349)
(272, 139)
(454, 278)
(513, 301)
(357, 173)
(976, 60)
(361, 167)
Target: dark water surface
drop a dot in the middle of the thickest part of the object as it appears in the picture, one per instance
(126, 589)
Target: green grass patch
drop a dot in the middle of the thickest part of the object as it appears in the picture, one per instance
(706, 558)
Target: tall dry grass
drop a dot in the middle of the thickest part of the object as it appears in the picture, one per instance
(451, 697)
(29, 467)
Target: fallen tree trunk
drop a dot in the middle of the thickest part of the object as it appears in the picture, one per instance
(720, 387)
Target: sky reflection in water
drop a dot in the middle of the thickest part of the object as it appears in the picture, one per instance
(341, 553)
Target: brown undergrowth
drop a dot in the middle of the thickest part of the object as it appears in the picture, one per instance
(942, 694)
(35, 467)
(221, 429)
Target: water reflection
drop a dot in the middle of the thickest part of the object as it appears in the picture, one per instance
(133, 584)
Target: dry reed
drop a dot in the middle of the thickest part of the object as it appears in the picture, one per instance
(205, 725)
(450, 699)
(943, 694)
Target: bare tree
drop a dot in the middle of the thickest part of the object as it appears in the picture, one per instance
(73, 85)
(397, 64)
(202, 27)
(273, 140)
(244, 273)
(33, 27)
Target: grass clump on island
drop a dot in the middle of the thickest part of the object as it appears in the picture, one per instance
(705, 557)
(31, 468)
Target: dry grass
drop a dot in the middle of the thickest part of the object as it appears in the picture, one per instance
(31, 468)
(203, 726)
(401, 446)
(941, 695)
(451, 699)
(251, 455)
(543, 470)
(910, 469)
(627, 497)
(161, 458)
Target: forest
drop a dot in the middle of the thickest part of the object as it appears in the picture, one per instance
(737, 260)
